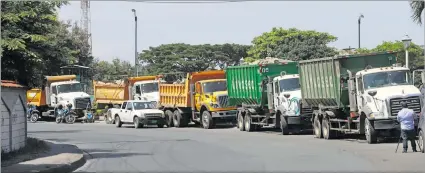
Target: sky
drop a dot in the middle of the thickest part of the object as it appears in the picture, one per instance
(112, 23)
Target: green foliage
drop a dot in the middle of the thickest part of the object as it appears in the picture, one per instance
(416, 58)
(109, 71)
(182, 57)
(417, 8)
(34, 43)
(292, 44)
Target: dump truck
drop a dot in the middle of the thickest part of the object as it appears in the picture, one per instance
(268, 95)
(60, 90)
(144, 88)
(200, 97)
(357, 94)
(109, 93)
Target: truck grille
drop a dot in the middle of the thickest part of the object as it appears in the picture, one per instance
(153, 115)
(81, 103)
(306, 111)
(412, 102)
(222, 100)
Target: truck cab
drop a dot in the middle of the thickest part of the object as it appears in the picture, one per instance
(288, 103)
(380, 91)
(146, 91)
(72, 92)
(211, 95)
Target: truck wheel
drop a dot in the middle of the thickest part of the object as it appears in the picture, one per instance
(370, 132)
(317, 127)
(169, 118)
(118, 122)
(326, 129)
(421, 141)
(207, 121)
(241, 123)
(136, 122)
(248, 126)
(179, 120)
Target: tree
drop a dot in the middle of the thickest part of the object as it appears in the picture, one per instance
(108, 71)
(292, 44)
(34, 42)
(182, 57)
(417, 8)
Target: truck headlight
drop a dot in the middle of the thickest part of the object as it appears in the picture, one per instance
(376, 114)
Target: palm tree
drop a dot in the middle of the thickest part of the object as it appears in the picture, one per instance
(417, 8)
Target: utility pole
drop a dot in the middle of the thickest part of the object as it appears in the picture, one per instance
(360, 19)
(136, 61)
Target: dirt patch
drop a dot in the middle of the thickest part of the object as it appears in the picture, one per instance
(33, 149)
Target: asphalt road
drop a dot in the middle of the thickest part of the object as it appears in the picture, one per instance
(111, 149)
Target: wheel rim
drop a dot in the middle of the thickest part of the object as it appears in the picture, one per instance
(247, 123)
(421, 141)
(367, 129)
(316, 127)
(205, 120)
(325, 128)
(136, 122)
(175, 119)
(240, 121)
(34, 118)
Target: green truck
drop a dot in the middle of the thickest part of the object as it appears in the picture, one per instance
(268, 95)
(357, 94)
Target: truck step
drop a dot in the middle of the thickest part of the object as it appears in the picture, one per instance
(346, 130)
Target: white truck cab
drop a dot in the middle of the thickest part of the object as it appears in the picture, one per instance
(146, 91)
(288, 103)
(381, 90)
(66, 92)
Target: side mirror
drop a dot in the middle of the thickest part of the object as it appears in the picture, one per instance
(372, 93)
(287, 95)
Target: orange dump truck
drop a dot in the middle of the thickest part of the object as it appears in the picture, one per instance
(109, 93)
(201, 98)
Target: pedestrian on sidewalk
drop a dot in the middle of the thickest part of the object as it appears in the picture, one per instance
(406, 117)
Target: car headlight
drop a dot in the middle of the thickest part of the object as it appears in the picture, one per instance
(376, 114)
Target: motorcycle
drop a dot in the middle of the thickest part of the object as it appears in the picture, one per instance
(89, 118)
(65, 114)
(32, 113)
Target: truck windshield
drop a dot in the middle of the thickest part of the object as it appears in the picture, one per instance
(210, 87)
(382, 79)
(142, 105)
(289, 84)
(149, 87)
(73, 87)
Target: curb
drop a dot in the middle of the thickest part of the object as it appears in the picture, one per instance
(67, 168)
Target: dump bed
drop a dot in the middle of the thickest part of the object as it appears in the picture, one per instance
(324, 81)
(36, 97)
(178, 94)
(105, 93)
(245, 83)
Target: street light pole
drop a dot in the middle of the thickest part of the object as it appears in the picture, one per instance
(136, 61)
(406, 42)
(360, 18)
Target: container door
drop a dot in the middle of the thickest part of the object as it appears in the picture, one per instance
(359, 91)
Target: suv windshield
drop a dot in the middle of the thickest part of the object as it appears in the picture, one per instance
(382, 79)
(210, 87)
(149, 87)
(289, 84)
(73, 87)
(142, 105)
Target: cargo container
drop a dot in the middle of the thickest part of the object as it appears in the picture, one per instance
(268, 95)
(200, 97)
(357, 94)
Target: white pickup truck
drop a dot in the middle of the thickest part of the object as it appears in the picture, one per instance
(139, 113)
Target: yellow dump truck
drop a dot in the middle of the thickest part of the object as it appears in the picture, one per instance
(109, 93)
(201, 98)
(60, 90)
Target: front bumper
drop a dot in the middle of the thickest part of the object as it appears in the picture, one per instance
(304, 120)
(152, 120)
(388, 124)
(224, 117)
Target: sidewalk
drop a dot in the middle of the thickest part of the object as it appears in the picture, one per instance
(61, 158)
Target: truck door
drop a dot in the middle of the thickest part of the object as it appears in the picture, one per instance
(123, 111)
(137, 92)
(198, 92)
(276, 94)
(359, 93)
(53, 98)
(129, 112)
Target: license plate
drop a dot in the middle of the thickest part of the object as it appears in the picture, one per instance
(153, 121)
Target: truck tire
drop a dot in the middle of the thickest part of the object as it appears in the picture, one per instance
(326, 129)
(179, 120)
(241, 122)
(207, 121)
(118, 122)
(169, 118)
(421, 141)
(137, 123)
(370, 133)
(248, 126)
(317, 127)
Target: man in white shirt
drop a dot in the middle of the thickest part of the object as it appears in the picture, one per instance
(406, 117)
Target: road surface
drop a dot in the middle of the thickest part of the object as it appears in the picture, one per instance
(111, 149)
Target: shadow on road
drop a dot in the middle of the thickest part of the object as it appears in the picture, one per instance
(107, 153)
(57, 131)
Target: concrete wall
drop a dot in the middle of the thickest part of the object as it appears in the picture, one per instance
(13, 119)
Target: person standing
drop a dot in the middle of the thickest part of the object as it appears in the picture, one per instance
(406, 117)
